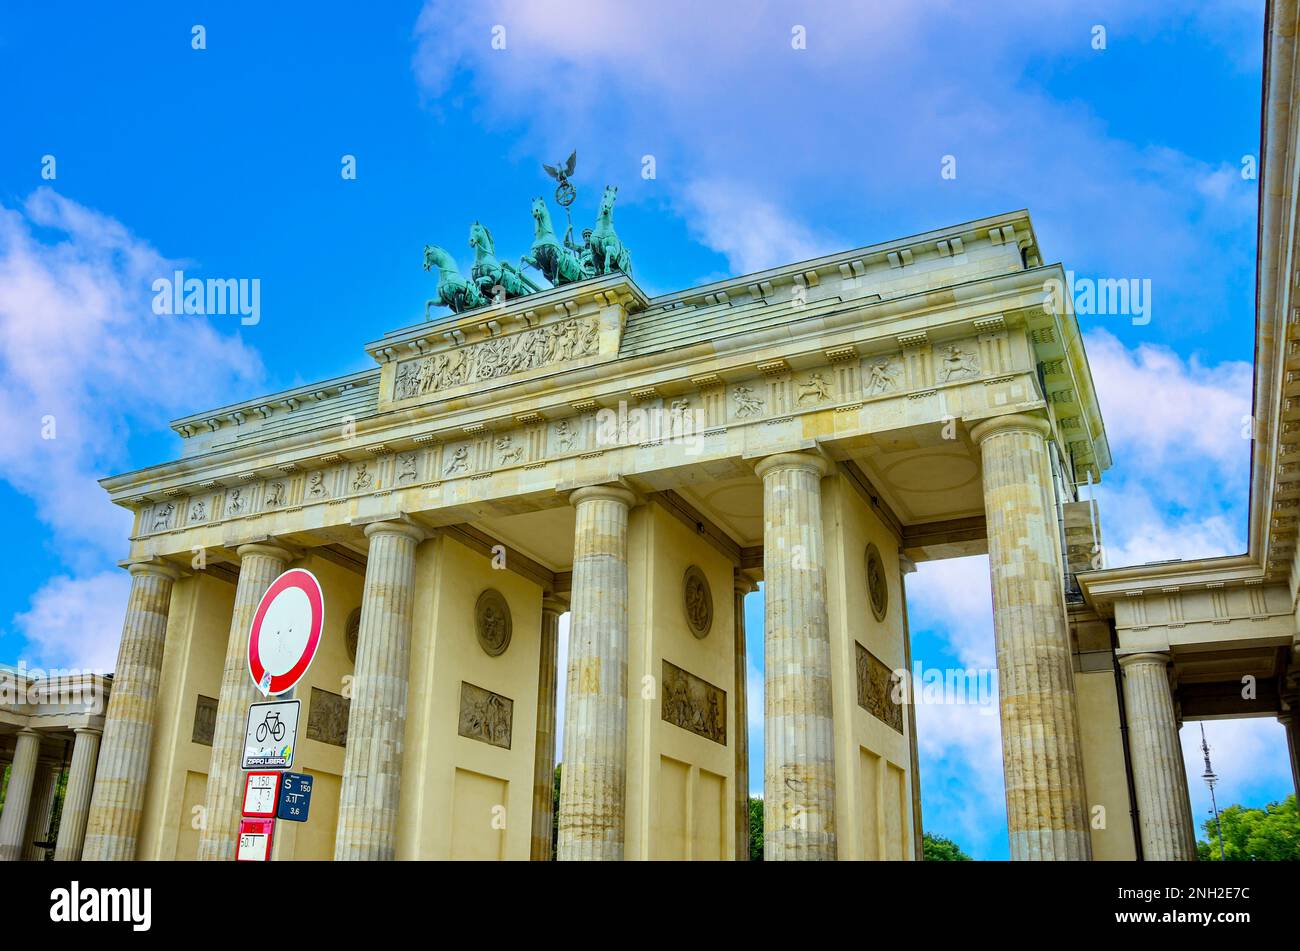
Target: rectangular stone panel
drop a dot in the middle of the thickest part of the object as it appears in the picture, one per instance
(205, 720)
(327, 720)
(485, 716)
(694, 704)
(876, 690)
(477, 803)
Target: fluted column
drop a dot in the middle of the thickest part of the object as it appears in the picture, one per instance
(1288, 721)
(594, 776)
(76, 797)
(41, 810)
(372, 766)
(544, 757)
(799, 772)
(118, 796)
(1041, 756)
(741, 588)
(1164, 806)
(259, 566)
(18, 797)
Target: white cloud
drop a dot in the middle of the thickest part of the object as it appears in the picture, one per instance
(754, 140)
(76, 622)
(752, 232)
(1176, 426)
(1162, 409)
(82, 350)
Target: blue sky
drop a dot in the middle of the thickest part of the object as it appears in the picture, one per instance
(226, 161)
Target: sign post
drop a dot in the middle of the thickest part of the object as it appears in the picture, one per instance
(282, 643)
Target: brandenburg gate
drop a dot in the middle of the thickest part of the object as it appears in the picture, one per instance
(640, 463)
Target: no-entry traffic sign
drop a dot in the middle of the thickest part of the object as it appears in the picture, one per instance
(286, 632)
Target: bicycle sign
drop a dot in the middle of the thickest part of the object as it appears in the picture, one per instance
(271, 735)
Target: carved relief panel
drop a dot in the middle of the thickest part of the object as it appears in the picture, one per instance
(205, 720)
(694, 704)
(485, 716)
(876, 689)
(491, 359)
(327, 721)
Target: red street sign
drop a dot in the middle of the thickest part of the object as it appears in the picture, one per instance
(286, 632)
(261, 795)
(254, 843)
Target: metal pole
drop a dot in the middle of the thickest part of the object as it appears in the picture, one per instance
(1212, 780)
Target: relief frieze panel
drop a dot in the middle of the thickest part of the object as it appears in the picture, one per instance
(327, 720)
(876, 689)
(485, 716)
(561, 342)
(773, 394)
(694, 704)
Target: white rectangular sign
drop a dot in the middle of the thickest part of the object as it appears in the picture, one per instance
(261, 794)
(271, 735)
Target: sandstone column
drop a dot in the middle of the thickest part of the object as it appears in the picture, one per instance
(594, 776)
(372, 766)
(799, 772)
(18, 797)
(41, 810)
(118, 797)
(1046, 808)
(76, 797)
(1288, 721)
(259, 565)
(741, 588)
(544, 759)
(1164, 806)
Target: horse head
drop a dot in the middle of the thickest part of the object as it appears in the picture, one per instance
(541, 216)
(480, 238)
(435, 256)
(607, 201)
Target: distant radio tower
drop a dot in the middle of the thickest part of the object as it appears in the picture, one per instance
(1212, 780)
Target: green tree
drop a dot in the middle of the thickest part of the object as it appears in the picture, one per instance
(555, 814)
(755, 829)
(938, 848)
(1271, 834)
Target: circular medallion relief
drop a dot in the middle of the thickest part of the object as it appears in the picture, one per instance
(350, 632)
(492, 621)
(877, 584)
(698, 601)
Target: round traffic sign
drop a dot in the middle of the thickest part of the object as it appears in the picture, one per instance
(285, 632)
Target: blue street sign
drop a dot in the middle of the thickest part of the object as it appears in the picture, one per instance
(295, 796)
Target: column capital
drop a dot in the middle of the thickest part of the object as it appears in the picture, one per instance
(805, 461)
(1011, 422)
(744, 584)
(607, 492)
(1163, 658)
(269, 549)
(153, 566)
(553, 605)
(28, 731)
(396, 527)
(89, 730)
